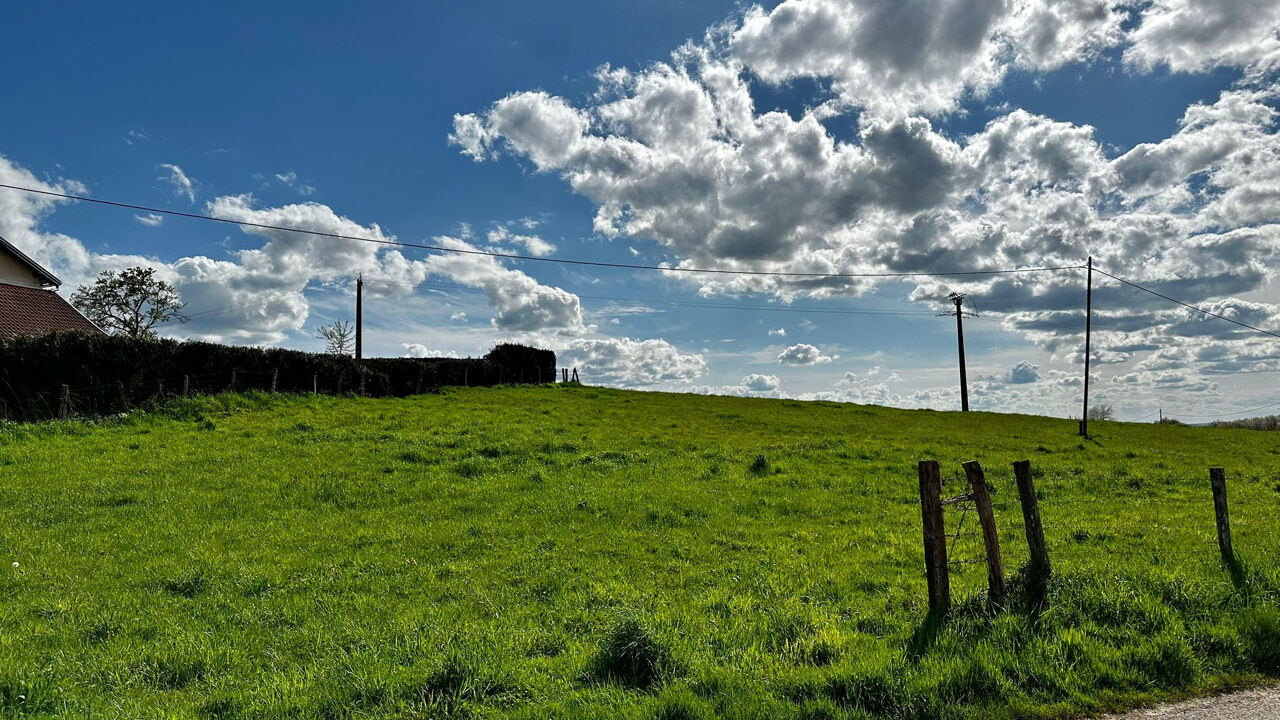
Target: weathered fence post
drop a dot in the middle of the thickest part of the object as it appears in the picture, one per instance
(466, 375)
(990, 538)
(232, 387)
(575, 375)
(564, 374)
(160, 389)
(1218, 479)
(935, 541)
(124, 397)
(275, 377)
(64, 402)
(186, 385)
(1031, 518)
(417, 389)
(315, 383)
(360, 372)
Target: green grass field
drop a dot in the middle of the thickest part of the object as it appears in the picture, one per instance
(577, 552)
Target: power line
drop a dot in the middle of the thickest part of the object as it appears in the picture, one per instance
(1187, 305)
(683, 303)
(515, 256)
(1238, 412)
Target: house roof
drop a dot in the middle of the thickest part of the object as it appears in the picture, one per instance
(35, 311)
(48, 277)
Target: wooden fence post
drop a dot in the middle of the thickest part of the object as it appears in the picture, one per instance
(466, 375)
(233, 380)
(1031, 519)
(990, 538)
(1218, 479)
(160, 389)
(186, 385)
(360, 372)
(275, 377)
(575, 376)
(64, 402)
(935, 540)
(315, 383)
(124, 397)
(564, 374)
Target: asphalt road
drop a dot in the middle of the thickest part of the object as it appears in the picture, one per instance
(1259, 704)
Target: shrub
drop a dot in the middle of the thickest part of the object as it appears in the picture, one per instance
(107, 372)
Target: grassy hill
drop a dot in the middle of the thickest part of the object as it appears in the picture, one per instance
(578, 552)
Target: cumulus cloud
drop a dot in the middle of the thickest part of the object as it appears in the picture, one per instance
(631, 363)
(678, 154)
(183, 186)
(150, 219)
(532, 244)
(261, 294)
(804, 354)
(1021, 373)
(1193, 36)
(521, 302)
(753, 385)
(418, 350)
(779, 332)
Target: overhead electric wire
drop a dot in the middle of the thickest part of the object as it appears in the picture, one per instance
(1238, 412)
(533, 258)
(1185, 304)
(640, 301)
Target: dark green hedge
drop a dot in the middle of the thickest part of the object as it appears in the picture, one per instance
(96, 368)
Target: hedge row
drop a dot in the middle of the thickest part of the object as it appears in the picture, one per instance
(106, 374)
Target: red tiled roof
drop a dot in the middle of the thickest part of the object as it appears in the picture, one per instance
(35, 311)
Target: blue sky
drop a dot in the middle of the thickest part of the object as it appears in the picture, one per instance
(1030, 134)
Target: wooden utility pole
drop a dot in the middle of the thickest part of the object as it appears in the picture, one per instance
(958, 299)
(360, 316)
(1088, 332)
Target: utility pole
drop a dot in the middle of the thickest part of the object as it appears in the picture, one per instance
(360, 316)
(1088, 333)
(1161, 411)
(958, 299)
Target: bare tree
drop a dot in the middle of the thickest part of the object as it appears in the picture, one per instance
(339, 338)
(130, 302)
(1101, 412)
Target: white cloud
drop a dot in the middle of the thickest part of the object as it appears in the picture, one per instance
(1194, 35)
(804, 354)
(418, 350)
(287, 178)
(1021, 373)
(150, 219)
(260, 294)
(761, 383)
(458, 317)
(533, 244)
(630, 363)
(521, 302)
(183, 186)
(754, 385)
(779, 332)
